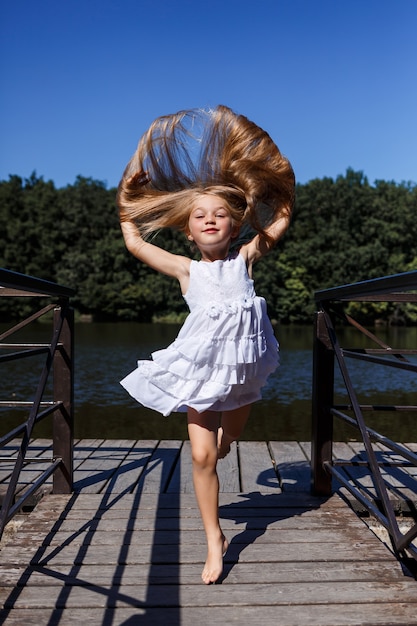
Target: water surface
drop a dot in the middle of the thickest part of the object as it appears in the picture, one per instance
(105, 353)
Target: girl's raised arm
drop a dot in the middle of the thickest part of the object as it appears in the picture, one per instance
(259, 246)
(158, 259)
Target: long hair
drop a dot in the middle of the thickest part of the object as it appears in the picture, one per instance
(199, 151)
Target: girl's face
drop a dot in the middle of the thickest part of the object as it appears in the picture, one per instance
(210, 224)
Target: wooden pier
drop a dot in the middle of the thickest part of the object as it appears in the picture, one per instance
(127, 547)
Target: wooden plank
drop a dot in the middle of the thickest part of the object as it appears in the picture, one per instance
(245, 506)
(234, 515)
(10, 448)
(360, 474)
(189, 573)
(39, 449)
(132, 468)
(252, 594)
(96, 537)
(344, 452)
(85, 448)
(303, 503)
(176, 521)
(30, 472)
(228, 472)
(227, 469)
(411, 507)
(182, 477)
(363, 548)
(292, 465)
(157, 474)
(394, 614)
(8, 453)
(93, 474)
(401, 482)
(256, 468)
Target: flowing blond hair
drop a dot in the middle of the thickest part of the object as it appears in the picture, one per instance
(194, 152)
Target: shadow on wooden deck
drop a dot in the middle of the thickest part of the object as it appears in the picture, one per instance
(127, 547)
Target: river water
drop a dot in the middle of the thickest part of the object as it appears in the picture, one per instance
(105, 353)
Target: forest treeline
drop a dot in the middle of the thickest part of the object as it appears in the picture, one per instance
(343, 230)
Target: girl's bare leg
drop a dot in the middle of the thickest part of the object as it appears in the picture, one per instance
(231, 427)
(202, 430)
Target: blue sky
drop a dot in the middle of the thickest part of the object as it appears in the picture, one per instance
(332, 81)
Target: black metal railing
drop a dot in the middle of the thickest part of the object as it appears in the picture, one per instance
(58, 363)
(331, 307)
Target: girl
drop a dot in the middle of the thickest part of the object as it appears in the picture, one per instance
(208, 173)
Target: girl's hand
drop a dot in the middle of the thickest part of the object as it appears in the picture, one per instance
(260, 246)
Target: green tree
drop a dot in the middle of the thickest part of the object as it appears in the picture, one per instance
(343, 230)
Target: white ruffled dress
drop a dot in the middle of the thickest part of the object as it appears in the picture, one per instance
(224, 352)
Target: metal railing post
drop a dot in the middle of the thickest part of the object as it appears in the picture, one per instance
(63, 385)
(322, 402)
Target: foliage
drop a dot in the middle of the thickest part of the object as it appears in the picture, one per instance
(343, 231)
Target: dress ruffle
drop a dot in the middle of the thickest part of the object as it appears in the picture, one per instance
(220, 360)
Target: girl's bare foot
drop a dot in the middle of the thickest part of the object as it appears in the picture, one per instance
(213, 567)
(223, 443)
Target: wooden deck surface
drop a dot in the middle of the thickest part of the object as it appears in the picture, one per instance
(127, 546)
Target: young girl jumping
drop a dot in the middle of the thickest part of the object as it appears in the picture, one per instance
(207, 174)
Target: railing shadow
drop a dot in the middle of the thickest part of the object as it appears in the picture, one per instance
(260, 510)
(113, 595)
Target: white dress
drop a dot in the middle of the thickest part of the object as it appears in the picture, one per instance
(224, 352)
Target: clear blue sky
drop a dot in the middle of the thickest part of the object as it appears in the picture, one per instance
(334, 82)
